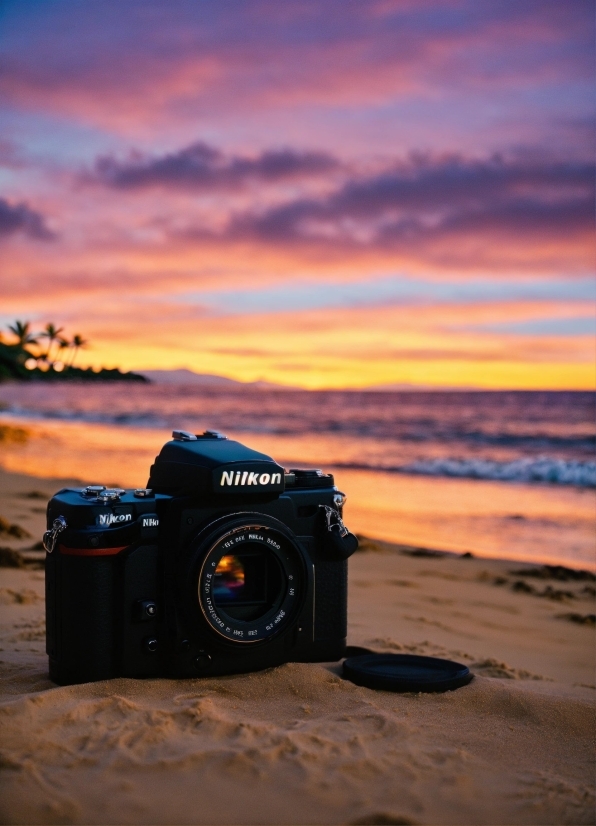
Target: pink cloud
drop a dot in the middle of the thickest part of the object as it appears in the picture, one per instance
(126, 67)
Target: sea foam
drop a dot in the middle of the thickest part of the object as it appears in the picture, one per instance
(539, 469)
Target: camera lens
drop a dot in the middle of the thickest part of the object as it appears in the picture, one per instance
(247, 585)
(249, 580)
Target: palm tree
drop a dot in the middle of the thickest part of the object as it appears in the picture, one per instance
(14, 356)
(77, 343)
(63, 343)
(22, 330)
(52, 333)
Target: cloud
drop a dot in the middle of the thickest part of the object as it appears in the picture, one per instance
(203, 167)
(299, 296)
(522, 212)
(19, 218)
(153, 62)
(428, 199)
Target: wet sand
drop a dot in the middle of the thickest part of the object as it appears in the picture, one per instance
(298, 744)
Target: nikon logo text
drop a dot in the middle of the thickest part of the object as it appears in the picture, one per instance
(245, 477)
(113, 518)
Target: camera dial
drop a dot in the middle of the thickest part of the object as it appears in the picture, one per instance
(110, 495)
(93, 490)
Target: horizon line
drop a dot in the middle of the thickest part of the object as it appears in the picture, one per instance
(388, 387)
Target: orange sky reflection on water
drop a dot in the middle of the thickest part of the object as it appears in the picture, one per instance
(541, 523)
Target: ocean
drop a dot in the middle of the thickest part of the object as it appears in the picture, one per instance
(507, 474)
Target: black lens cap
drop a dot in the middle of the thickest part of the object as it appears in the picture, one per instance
(405, 672)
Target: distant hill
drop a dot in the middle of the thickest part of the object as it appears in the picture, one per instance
(184, 376)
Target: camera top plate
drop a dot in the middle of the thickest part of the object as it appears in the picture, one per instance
(214, 465)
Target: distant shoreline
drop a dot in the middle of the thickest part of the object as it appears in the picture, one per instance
(184, 377)
(25, 359)
(75, 374)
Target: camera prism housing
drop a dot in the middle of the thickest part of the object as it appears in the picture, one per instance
(225, 563)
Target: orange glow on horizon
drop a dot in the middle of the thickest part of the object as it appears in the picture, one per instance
(354, 348)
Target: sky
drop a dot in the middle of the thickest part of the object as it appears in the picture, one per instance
(317, 193)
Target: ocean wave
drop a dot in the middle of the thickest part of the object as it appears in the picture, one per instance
(542, 469)
(304, 422)
(144, 419)
(362, 440)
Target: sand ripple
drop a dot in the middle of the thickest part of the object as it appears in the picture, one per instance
(288, 745)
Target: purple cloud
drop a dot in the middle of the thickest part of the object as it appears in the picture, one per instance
(431, 198)
(149, 62)
(203, 167)
(19, 218)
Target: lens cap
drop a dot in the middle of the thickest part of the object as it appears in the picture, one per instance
(405, 672)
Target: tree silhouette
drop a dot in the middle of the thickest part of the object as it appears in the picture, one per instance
(22, 330)
(52, 333)
(63, 344)
(25, 360)
(77, 343)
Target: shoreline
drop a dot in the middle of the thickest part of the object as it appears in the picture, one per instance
(510, 472)
(298, 744)
(455, 478)
(46, 486)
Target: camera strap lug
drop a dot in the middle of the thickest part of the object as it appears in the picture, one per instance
(51, 537)
(338, 538)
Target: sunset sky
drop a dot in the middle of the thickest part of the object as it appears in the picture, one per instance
(321, 194)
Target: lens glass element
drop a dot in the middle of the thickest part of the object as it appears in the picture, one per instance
(230, 578)
(246, 585)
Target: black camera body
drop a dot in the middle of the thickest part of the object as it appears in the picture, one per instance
(225, 563)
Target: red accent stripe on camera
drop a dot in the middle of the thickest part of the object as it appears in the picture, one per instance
(91, 551)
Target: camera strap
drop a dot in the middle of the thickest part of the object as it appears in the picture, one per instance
(51, 537)
(338, 538)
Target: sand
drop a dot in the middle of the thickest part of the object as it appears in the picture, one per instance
(298, 744)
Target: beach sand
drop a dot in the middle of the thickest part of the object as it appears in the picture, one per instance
(298, 744)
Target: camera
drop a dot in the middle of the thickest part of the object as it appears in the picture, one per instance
(224, 563)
